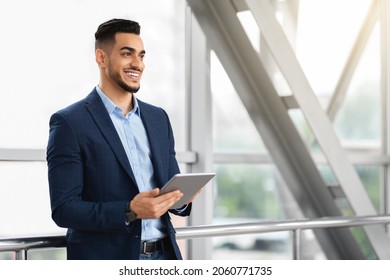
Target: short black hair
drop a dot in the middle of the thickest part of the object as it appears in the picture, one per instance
(107, 30)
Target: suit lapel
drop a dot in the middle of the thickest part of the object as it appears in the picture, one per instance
(152, 130)
(103, 121)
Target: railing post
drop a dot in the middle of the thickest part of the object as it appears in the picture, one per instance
(21, 255)
(296, 244)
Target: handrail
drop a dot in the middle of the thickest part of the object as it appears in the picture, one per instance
(274, 226)
(23, 244)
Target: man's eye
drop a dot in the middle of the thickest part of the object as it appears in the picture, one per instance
(127, 54)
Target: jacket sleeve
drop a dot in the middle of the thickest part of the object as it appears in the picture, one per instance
(174, 169)
(66, 181)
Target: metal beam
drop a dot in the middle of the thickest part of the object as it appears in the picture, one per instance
(199, 129)
(228, 39)
(318, 121)
(385, 88)
(187, 157)
(22, 154)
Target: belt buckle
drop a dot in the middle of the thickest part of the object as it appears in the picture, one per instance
(144, 249)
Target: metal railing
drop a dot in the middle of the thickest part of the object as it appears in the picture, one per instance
(21, 245)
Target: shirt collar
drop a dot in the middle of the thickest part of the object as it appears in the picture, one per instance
(110, 106)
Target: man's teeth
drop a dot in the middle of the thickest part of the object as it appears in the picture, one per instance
(133, 74)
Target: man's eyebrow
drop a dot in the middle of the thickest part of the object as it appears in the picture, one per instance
(130, 49)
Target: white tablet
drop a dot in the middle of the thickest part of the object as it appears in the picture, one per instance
(188, 184)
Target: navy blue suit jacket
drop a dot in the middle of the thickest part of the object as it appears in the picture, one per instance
(91, 180)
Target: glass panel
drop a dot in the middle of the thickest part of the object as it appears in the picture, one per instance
(58, 51)
(324, 39)
(358, 121)
(38, 254)
(7, 256)
(249, 193)
(262, 246)
(24, 200)
(370, 176)
(233, 129)
(47, 254)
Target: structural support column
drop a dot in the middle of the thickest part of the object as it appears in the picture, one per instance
(199, 130)
(385, 86)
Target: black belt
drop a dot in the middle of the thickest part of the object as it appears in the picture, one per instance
(148, 248)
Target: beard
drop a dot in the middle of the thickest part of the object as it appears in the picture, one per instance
(120, 82)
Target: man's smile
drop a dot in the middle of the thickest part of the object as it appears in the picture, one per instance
(133, 74)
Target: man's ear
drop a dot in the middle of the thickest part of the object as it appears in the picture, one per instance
(100, 57)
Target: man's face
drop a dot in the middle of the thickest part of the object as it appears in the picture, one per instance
(125, 64)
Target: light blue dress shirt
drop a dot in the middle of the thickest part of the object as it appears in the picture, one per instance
(134, 139)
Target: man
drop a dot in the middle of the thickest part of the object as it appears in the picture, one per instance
(108, 155)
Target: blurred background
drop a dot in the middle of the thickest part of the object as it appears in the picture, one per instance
(197, 54)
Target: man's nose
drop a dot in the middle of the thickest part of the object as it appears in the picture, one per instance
(137, 63)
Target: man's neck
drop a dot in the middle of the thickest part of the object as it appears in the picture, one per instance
(121, 98)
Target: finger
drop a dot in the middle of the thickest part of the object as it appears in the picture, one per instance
(164, 205)
(152, 193)
(149, 206)
(155, 192)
